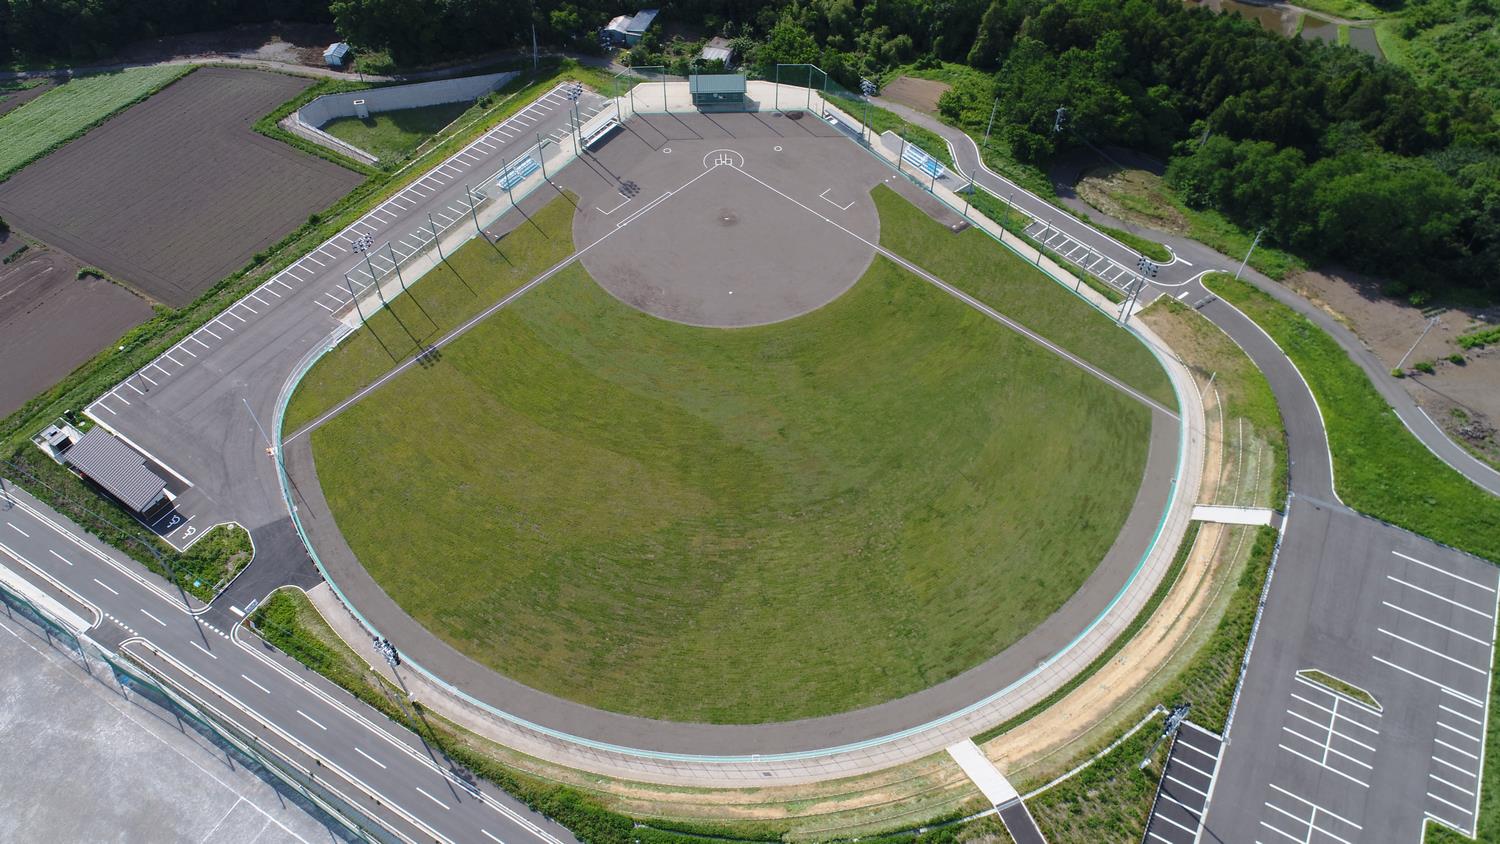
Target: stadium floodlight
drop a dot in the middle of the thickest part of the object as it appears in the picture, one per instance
(397, 264)
(363, 244)
(1169, 728)
(435, 238)
(867, 88)
(574, 90)
(354, 297)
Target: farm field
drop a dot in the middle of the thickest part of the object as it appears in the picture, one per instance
(740, 525)
(53, 320)
(390, 135)
(179, 191)
(64, 112)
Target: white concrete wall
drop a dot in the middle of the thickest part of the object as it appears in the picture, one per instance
(320, 111)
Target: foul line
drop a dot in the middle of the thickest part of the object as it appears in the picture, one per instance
(484, 314)
(978, 305)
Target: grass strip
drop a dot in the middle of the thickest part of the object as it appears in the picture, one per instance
(1380, 468)
(973, 262)
(69, 110)
(1150, 248)
(1334, 684)
(289, 621)
(390, 135)
(1013, 221)
(1110, 800)
(474, 277)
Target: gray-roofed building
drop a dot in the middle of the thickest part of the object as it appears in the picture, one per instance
(116, 467)
(626, 30)
(337, 54)
(717, 49)
(717, 89)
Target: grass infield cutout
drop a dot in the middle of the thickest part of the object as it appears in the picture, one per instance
(1340, 687)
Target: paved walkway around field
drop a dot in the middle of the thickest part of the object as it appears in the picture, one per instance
(706, 755)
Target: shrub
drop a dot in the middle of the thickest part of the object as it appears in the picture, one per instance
(1398, 372)
(1456, 358)
(4, 226)
(1424, 366)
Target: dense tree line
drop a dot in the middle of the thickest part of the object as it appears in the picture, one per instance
(87, 30)
(1335, 154)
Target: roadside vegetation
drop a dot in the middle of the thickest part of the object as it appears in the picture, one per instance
(973, 262)
(881, 120)
(1000, 212)
(1380, 468)
(748, 491)
(1383, 470)
(69, 110)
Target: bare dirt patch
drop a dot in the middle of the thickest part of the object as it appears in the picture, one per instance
(51, 321)
(179, 191)
(1134, 195)
(1461, 397)
(287, 43)
(920, 94)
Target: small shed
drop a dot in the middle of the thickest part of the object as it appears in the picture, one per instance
(718, 49)
(117, 468)
(717, 89)
(337, 54)
(627, 30)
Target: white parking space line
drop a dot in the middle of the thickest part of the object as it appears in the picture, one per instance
(1452, 729)
(1449, 803)
(1187, 786)
(1430, 593)
(1324, 766)
(1439, 624)
(1437, 653)
(1446, 708)
(1465, 771)
(1456, 749)
(1445, 572)
(1451, 785)
(1452, 691)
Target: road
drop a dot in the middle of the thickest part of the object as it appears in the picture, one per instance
(1087, 247)
(352, 749)
(1406, 619)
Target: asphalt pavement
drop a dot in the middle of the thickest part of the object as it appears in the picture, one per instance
(352, 749)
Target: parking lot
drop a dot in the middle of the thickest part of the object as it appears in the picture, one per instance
(1186, 783)
(1389, 613)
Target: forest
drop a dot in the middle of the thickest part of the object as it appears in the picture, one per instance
(1384, 167)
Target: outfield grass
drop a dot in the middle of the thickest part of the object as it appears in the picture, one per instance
(734, 525)
(391, 135)
(69, 110)
(973, 262)
(473, 278)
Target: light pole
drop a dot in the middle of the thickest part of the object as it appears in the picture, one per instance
(541, 157)
(1249, 252)
(435, 238)
(1169, 728)
(473, 212)
(573, 92)
(363, 244)
(397, 264)
(355, 297)
(505, 181)
(867, 88)
(994, 108)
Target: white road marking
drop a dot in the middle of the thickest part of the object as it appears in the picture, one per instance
(1420, 617)
(1451, 785)
(1490, 589)
(153, 618)
(369, 757)
(1301, 755)
(1446, 708)
(1456, 749)
(1429, 592)
(425, 794)
(486, 834)
(106, 586)
(255, 684)
(59, 556)
(310, 718)
(201, 648)
(1447, 802)
(18, 530)
(1456, 693)
(1437, 653)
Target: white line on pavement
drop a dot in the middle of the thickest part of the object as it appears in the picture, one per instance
(1456, 693)
(59, 556)
(1420, 617)
(106, 586)
(1429, 592)
(310, 718)
(201, 648)
(18, 530)
(255, 684)
(1445, 572)
(1437, 653)
(428, 796)
(153, 618)
(367, 756)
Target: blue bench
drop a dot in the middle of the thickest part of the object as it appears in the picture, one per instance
(922, 161)
(517, 173)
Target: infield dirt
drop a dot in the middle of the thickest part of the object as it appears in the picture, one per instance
(179, 191)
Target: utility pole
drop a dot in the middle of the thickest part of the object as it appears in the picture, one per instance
(994, 108)
(1430, 323)
(1169, 728)
(1254, 243)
